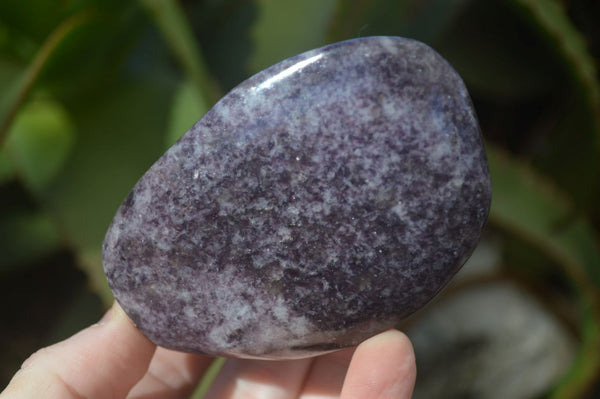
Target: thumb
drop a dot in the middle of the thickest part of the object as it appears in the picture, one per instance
(103, 361)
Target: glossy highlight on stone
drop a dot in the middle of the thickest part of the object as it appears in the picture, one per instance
(317, 204)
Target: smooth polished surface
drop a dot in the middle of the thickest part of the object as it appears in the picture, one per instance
(318, 203)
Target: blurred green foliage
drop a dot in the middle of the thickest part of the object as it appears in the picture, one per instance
(93, 91)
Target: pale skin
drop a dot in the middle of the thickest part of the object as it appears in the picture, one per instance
(112, 359)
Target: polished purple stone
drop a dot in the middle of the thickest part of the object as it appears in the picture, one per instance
(317, 204)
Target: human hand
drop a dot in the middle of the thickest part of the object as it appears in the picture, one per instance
(112, 359)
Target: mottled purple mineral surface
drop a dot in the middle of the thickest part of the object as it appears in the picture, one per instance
(317, 204)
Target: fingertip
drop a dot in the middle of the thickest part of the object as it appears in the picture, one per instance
(394, 343)
(382, 367)
(391, 336)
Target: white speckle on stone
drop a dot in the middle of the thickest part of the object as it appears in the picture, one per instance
(188, 311)
(284, 233)
(399, 210)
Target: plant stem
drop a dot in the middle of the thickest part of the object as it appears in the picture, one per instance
(178, 34)
(18, 95)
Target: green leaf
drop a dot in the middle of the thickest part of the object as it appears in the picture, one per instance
(553, 23)
(286, 28)
(26, 236)
(39, 142)
(178, 34)
(351, 17)
(530, 207)
(427, 21)
(31, 18)
(15, 96)
(575, 140)
(186, 109)
(121, 135)
(498, 55)
(90, 261)
(422, 20)
(94, 52)
(223, 28)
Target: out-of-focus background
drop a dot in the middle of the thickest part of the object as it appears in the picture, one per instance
(92, 92)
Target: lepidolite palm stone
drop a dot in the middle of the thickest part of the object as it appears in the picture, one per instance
(318, 203)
